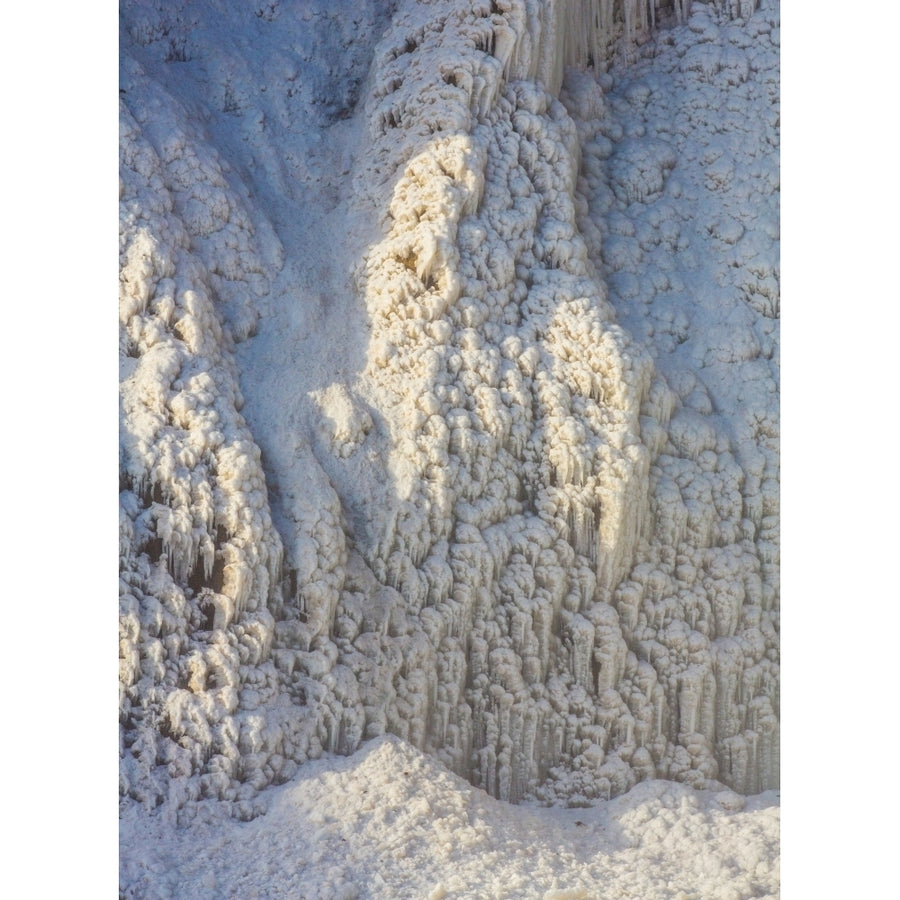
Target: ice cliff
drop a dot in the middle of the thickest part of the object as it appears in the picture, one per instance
(530, 523)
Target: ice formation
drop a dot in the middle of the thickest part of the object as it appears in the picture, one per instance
(535, 535)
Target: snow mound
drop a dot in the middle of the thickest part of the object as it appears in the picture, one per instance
(390, 821)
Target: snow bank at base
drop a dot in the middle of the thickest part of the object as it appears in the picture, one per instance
(529, 536)
(390, 822)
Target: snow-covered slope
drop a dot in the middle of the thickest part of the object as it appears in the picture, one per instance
(450, 413)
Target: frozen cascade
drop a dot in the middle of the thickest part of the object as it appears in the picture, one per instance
(571, 583)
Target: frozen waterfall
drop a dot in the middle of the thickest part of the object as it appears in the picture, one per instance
(451, 426)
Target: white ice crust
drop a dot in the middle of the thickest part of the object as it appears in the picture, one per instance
(449, 407)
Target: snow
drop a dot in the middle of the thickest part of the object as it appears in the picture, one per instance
(390, 821)
(449, 414)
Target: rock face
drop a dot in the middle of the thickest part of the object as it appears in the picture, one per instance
(535, 533)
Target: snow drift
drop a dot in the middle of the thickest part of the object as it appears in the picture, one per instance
(517, 504)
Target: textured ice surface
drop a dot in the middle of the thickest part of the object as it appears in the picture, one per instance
(453, 414)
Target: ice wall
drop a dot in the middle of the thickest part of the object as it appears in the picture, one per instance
(681, 174)
(200, 561)
(203, 707)
(563, 588)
